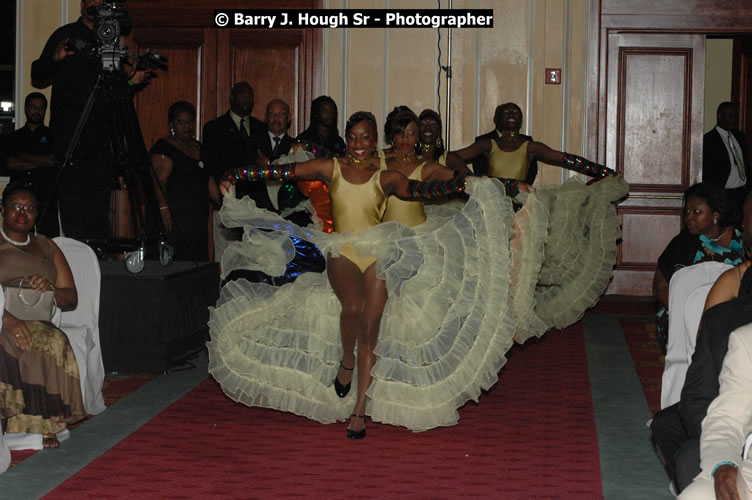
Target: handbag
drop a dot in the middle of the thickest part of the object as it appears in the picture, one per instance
(25, 303)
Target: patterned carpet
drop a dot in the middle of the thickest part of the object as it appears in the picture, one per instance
(532, 436)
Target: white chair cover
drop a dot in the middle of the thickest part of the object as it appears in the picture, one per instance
(81, 325)
(4, 451)
(687, 292)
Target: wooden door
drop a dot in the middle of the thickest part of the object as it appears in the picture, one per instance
(204, 62)
(654, 120)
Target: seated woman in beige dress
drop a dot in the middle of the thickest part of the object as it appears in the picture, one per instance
(40, 390)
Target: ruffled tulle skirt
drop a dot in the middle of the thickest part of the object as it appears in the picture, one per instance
(462, 288)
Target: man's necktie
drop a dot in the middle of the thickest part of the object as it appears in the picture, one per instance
(276, 147)
(243, 131)
(738, 162)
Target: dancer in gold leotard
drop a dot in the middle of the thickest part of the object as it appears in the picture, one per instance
(509, 155)
(358, 188)
(404, 133)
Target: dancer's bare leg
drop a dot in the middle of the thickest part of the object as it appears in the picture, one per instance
(347, 283)
(368, 336)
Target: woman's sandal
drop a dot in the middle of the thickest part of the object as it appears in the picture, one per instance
(49, 441)
(340, 388)
(357, 434)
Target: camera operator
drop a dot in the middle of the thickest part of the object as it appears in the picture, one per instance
(69, 63)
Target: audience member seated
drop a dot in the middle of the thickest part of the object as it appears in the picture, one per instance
(708, 236)
(40, 390)
(676, 429)
(183, 186)
(728, 284)
(724, 473)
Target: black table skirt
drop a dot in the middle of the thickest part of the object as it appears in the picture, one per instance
(151, 319)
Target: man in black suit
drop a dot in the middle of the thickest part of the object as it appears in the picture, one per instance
(227, 140)
(269, 147)
(480, 164)
(725, 160)
(676, 429)
(226, 144)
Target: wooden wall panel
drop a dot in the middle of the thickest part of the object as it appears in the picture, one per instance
(638, 252)
(654, 124)
(653, 187)
(277, 63)
(180, 83)
(268, 63)
(655, 90)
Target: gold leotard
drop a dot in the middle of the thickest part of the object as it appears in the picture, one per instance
(409, 213)
(356, 207)
(508, 164)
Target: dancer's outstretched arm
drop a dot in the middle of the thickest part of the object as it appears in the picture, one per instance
(540, 151)
(314, 170)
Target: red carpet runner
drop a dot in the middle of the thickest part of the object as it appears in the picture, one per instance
(532, 436)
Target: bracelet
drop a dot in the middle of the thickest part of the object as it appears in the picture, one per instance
(163, 208)
(256, 173)
(131, 84)
(724, 462)
(584, 166)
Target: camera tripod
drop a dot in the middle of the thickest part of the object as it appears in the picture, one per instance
(131, 161)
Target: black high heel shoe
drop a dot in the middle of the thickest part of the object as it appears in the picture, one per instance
(340, 388)
(357, 434)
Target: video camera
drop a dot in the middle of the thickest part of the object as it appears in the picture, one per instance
(112, 20)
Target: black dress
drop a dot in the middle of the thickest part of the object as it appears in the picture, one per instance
(188, 198)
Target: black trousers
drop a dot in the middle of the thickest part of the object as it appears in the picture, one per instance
(679, 452)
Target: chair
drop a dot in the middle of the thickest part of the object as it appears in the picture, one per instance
(688, 289)
(81, 325)
(4, 451)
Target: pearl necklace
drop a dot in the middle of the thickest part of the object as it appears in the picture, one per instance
(14, 242)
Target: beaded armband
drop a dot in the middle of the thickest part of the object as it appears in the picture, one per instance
(584, 166)
(256, 173)
(429, 191)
